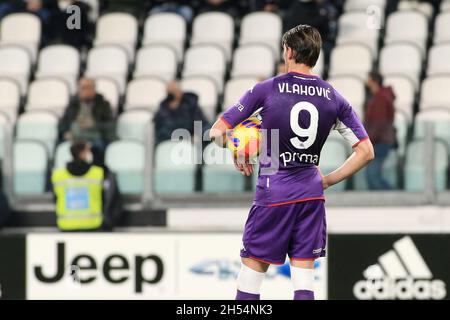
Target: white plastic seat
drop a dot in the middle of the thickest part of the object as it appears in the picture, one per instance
(30, 160)
(350, 59)
(206, 90)
(333, 155)
(401, 59)
(205, 60)
(109, 90)
(118, 28)
(62, 155)
(166, 28)
(262, 27)
(435, 93)
(22, 29)
(110, 62)
(445, 5)
(352, 28)
(10, 99)
(175, 167)
(401, 124)
(214, 28)
(420, 6)
(253, 61)
(61, 61)
(40, 126)
(146, 93)
(48, 94)
(235, 88)
(4, 125)
(219, 166)
(404, 94)
(320, 65)
(410, 26)
(352, 89)
(439, 121)
(156, 60)
(134, 125)
(127, 160)
(442, 28)
(15, 63)
(362, 5)
(439, 60)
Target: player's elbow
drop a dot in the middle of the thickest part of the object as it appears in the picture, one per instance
(369, 152)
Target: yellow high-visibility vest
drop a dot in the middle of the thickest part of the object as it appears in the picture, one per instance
(78, 199)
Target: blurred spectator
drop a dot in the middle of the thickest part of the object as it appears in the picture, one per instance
(178, 111)
(87, 197)
(379, 123)
(227, 6)
(89, 117)
(178, 6)
(76, 37)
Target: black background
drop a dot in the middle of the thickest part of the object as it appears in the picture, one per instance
(350, 255)
(12, 266)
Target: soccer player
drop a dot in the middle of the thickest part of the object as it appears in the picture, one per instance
(288, 213)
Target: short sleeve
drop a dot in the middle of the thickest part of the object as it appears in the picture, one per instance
(348, 124)
(249, 103)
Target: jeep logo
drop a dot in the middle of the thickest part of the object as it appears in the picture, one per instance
(113, 262)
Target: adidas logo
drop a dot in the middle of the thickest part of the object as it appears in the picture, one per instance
(400, 273)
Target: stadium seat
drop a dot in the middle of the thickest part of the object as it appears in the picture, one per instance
(206, 90)
(40, 126)
(350, 59)
(401, 59)
(127, 160)
(353, 90)
(401, 124)
(214, 28)
(219, 166)
(262, 27)
(62, 155)
(362, 5)
(10, 99)
(320, 65)
(4, 123)
(253, 60)
(134, 125)
(408, 26)
(439, 60)
(60, 61)
(352, 28)
(404, 94)
(15, 64)
(416, 163)
(206, 60)
(439, 120)
(420, 6)
(156, 61)
(145, 93)
(445, 6)
(442, 28)
(435, 93)
(108, 61)
(235, 89)
(21, 29)
(30, 167)
(48, 94)
(333, 155)
(166, 28)
(109, 90)
(120, 29)
(175, 167)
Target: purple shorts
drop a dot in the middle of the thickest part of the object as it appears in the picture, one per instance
(297, 229)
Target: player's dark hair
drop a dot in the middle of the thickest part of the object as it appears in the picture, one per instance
(377, 77)
(76, 148)
(306, 43)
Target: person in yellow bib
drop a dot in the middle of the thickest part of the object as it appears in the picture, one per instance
(87, 197)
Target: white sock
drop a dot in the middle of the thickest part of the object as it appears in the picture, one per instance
(249, 280)
(302, 278)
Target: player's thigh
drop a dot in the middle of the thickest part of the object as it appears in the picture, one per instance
(255, 265)
(303, 263)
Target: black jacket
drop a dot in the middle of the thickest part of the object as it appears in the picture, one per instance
(101, 112)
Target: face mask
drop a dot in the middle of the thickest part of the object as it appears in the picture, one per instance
(89, 158)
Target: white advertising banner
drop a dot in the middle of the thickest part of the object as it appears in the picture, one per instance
(146, 266)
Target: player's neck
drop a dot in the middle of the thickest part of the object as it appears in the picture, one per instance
(301, 69)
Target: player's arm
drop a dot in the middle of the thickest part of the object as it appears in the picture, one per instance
(362, 154)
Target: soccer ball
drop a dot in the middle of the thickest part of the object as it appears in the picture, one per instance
(245, 139)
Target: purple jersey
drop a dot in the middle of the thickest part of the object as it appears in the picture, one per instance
(304, 109)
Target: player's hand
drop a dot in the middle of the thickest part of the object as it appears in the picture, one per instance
(243, 166)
